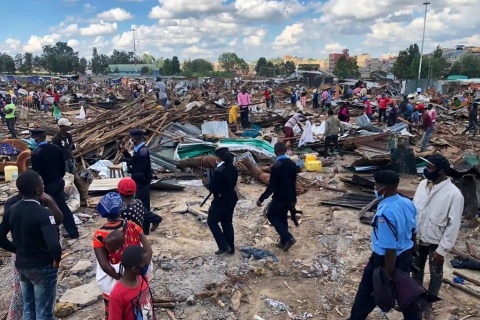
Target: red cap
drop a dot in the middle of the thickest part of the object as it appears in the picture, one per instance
(127, 187)
(420, 106)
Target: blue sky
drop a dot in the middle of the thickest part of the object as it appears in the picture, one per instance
(251, 28)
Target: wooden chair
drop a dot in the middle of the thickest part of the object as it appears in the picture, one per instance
(116, 169)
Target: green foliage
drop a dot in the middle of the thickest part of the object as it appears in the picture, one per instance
(7, 64)
(175, 66)
(197, 68)
(122, 57)
(144, 71)
(290, 67)
(408, 62)
(167, 68)
(231, 63)
(99, 63)
(116, 70)
(25, 63)
(261, 63)
(60, 58)
(469, 65)
(148, 59)
(346, 68)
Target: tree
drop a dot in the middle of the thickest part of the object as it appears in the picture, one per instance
(346, 68)
(175, 65)
(28, 62)
(82, 67)
(167, 68)
(197, 67)
(261, 63)
(407, 60)
(148, 58)
(99, 63)
(456, 69)
(18, 61)
(37, 63)
(7, 64)
(145, 71)
(290, 67)
(470, 66)
(159, 63)
(231, 63)
(122, 57)
(116, 70)
(60, 58)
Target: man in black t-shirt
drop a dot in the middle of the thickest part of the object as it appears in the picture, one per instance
(48, 160)
(64, 140)
(36, 244)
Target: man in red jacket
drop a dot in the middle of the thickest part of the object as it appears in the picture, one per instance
(382, 107)
(267, 97)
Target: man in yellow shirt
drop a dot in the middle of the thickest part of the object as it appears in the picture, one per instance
(10, 117)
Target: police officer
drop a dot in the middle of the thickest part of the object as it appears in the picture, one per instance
(222, 186)
(393, 237)
(282, 184)
(48, 160)
(140, 168)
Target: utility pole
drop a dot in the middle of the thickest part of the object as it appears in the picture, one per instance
(134, 50)
(423, 39)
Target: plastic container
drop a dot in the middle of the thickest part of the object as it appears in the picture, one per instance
(310, 157)
(11, 173)
(314, 166)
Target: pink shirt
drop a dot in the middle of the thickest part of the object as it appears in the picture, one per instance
(433, 114)
(243, 100)
(324, 95)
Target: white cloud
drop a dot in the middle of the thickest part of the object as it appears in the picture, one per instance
(88, 7)
(268, 9)
(35, 43)
(168, 9)
(195, 51)
(98, 29)
(256, 39)
(12, 45)
(74, 43)
(115, 15)
(334, 47)
(290, 35)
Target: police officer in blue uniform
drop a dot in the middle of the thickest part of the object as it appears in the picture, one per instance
(48, 161)
(393, 237)
(222, 185)
(140, 168)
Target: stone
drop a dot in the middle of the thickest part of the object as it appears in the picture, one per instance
(191, 301)
(84, 295)
(444, 316)
(236, 300)
(71, 281)
(81, 267)
(63, 310)
(167, 266)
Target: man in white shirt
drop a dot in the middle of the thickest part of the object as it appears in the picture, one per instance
(161, 92)
(289, 126)
(440, 207)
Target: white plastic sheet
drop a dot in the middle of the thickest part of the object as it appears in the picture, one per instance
(216, 128)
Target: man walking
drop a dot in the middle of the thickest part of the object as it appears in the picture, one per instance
(140, 169)
(37, 247)
(283, 181)
(161, 92)
(472, 119)
(394, 228)
(427, 123)
(382, 107)
(49, 162)
(244, 103)
(222, 186)
(333, 128)
(64, 140)
(440, 206)
(266, 93)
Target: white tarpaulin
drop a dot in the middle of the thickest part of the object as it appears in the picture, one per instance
(307, 135)
(215, 128)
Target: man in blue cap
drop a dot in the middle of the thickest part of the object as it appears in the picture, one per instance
(140, 168)
(48, 160)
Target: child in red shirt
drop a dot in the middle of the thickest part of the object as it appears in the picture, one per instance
(131, 299)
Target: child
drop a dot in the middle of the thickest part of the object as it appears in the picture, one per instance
(57, 113)
(131, 298)
(114, 241)
(132, 208)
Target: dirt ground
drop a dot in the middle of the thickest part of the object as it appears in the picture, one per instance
(316, 279)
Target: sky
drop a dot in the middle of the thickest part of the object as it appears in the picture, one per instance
(193, 29)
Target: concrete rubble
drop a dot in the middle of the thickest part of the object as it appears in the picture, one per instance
(317, 279)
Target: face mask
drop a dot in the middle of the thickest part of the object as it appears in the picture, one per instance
(379, 196)
(144, 270)
(432, 176)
